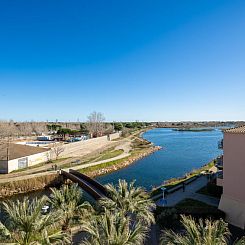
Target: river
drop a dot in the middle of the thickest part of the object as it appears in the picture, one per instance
(181, 152)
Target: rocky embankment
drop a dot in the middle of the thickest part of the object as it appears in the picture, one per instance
(129, 160)
(40, 181)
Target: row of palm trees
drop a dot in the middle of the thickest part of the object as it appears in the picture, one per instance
(125, 218)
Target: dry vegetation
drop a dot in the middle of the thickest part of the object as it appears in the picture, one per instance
(28, 185)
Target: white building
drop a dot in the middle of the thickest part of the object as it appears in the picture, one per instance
(15, 156)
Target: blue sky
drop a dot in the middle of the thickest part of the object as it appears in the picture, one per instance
(132, 60)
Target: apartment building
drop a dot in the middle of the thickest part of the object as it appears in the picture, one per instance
(233, 181)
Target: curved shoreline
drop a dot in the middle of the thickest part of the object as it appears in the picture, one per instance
(148, 148)
(40, 181)
(127, 161)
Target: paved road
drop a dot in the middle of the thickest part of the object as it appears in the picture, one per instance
(124, 145)
(190, 192)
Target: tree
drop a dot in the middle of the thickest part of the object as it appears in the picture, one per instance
(8, 129)
(24, 129)
(130, 201)
(118, 126)
(200, 233)
(83, 129)
(38, 127)
(113, 229)
(95, 124)
(64, 132)
(53, 127)
(68, 201)
(57, 149)
(26, 225)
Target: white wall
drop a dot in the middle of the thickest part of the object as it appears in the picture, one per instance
(43, 157)
(32, 160)
(77, 146)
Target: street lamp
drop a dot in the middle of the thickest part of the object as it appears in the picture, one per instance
(163, 201)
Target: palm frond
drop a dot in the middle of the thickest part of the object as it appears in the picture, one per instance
(200, 233)
(130, 200)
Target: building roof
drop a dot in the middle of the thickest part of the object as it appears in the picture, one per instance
(238, 130)
(18, 151)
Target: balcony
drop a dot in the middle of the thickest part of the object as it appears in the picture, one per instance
(219, 162)
(219, 179)
(221, 144)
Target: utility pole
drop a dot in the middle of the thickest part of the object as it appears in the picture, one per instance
(8, 144)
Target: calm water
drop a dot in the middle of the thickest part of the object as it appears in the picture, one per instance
(181, 153)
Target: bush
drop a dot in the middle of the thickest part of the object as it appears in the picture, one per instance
(202, 212)
(214, 190)
(211, 189)
(167, 218)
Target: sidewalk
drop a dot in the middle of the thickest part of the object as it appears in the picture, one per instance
(190, 192)
(125, 146)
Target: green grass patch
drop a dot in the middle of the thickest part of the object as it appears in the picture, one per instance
(109, 154)
(177, 181)
(32, 167)
(188, 202)
(99, 157)
(39, 165)
(110, 163)
(169, 217)
(102, 165)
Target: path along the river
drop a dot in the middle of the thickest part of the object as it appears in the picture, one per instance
(123, 144)
(190, 192)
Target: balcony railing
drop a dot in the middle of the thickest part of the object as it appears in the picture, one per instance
(219, 179)
(221, 144)
(219, 162)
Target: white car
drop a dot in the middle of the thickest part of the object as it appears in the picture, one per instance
(45, 209)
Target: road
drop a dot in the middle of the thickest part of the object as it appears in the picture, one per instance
(124, 144)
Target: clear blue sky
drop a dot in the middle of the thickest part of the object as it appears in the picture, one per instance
(132, 60)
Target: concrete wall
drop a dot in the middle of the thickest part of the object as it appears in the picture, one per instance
(31, 160)
(115, 136)
(233, 198)
(69, 150)
(73, 148)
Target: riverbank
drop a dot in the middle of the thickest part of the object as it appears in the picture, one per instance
(133, 148)
(118, 164)
(33, 183)
(153, 169)
(193, 129)
(176, 183)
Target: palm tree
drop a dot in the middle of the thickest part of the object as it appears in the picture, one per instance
(68, 201)
(130, 200)
(199, 233)
(241, 241)
(25, 224)
(113, 229)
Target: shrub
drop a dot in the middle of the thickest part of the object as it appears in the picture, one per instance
(167, 218)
